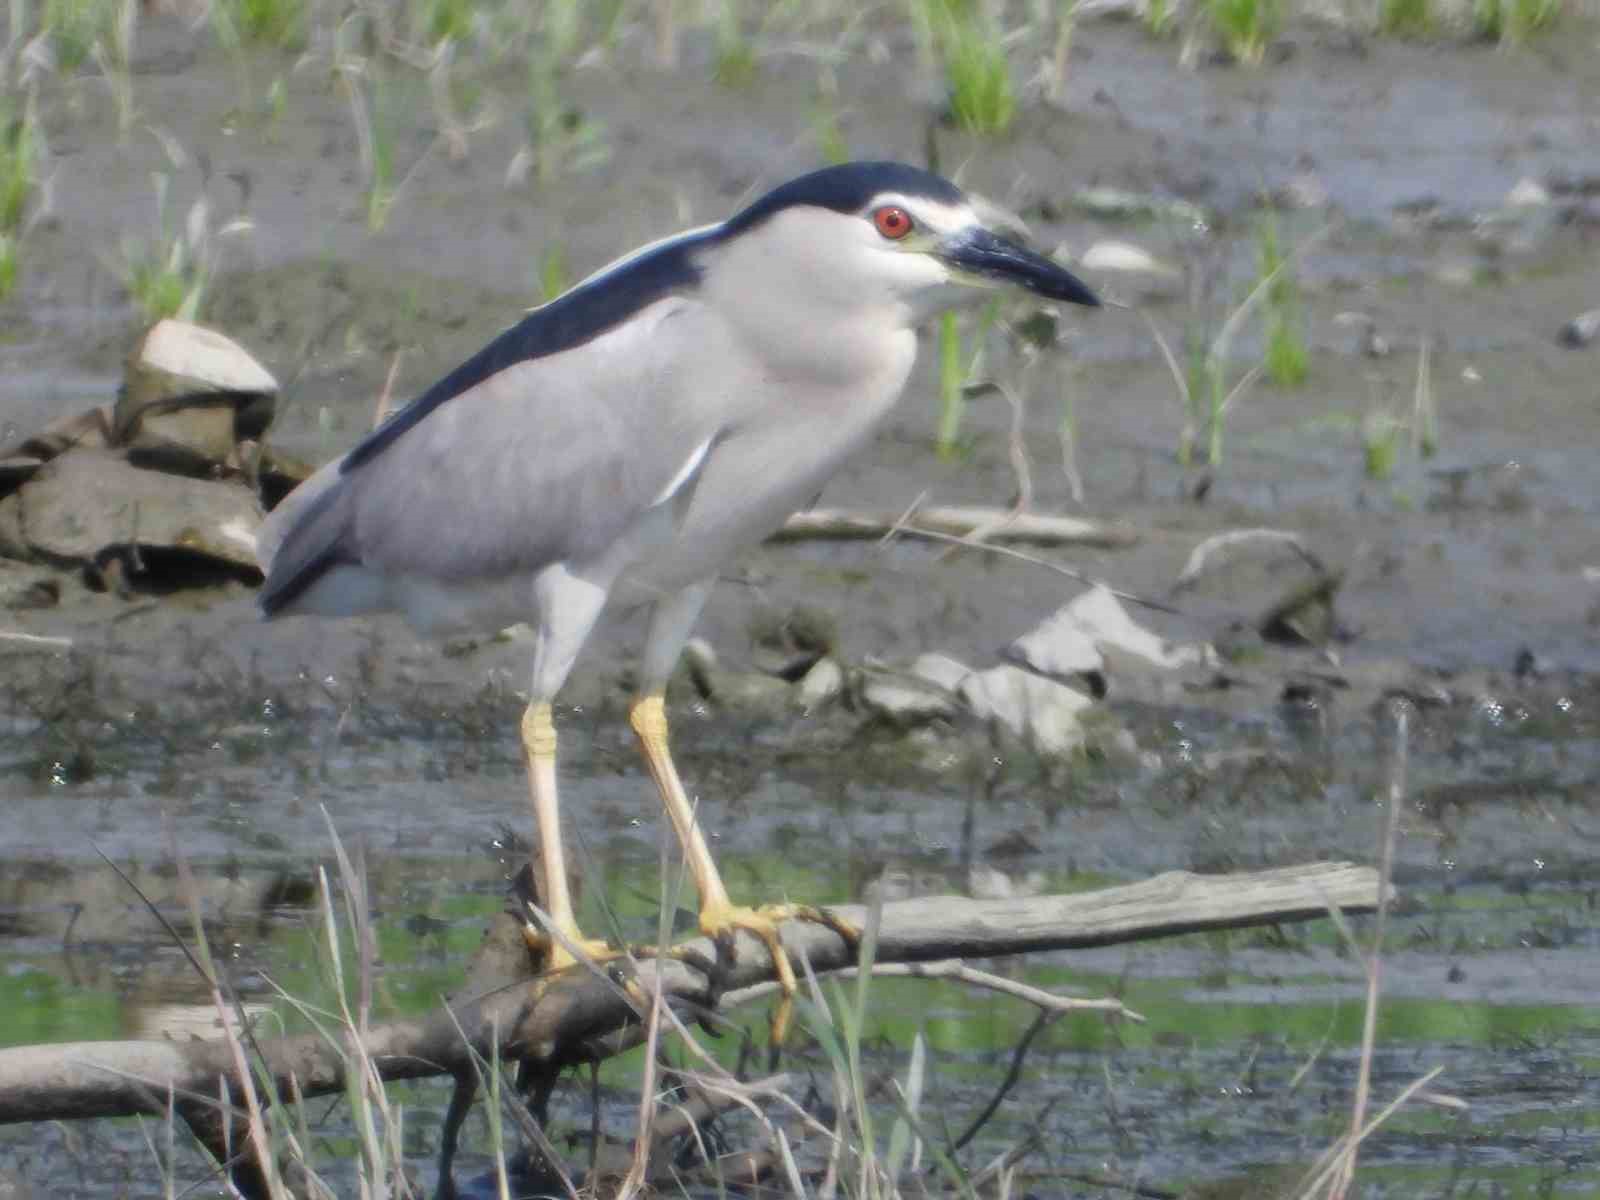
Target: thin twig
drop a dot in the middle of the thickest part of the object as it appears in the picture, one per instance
(954, 968)
(1041, 1021)
(1035, 560)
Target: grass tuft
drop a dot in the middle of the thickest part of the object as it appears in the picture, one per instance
(1246, 27)
(1382, 435)
(956, 372)
(448, 20)
(1513, 22)
(169, 276)
(736, 57)
(559, 137)
(1160, 17)
(74, 26)
(983, 99)
(554, 277)
(1285, 356)
(20, 154)
(1405, 18)
(282, 24)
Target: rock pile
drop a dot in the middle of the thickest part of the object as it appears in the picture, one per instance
(159, 489)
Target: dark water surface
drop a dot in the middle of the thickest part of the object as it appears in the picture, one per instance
(1490, 971)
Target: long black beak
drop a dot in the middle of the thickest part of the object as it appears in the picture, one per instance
(976, 251)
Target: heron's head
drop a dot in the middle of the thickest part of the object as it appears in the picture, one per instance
(875, 235)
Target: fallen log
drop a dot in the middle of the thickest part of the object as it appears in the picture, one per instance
(998, 524)
(554, 1019)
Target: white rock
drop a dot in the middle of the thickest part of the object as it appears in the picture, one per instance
(1123, 256)
(940, 669)
(1528, 193)
(203, 357)
(1042, 712)
(183, 386)
(821, 685)
(903, 698)
(1096, 620)
(1058, 648)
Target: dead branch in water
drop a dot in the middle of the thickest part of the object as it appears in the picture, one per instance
(582, 1016)
(559, 1017)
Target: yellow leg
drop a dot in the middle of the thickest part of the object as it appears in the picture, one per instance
(719, 916)
(550, 864)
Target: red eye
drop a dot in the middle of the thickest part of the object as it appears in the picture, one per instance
(892, 221)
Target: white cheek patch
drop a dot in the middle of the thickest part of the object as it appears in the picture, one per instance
(934, 217)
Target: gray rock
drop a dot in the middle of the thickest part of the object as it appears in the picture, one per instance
(1135, 274)
(902, 697)
(185, 390)
(1368, 340)
(90, 429)
(940, 670)
(86, 505)
(1117, 204)
(820, 686)
(1304, 615)
(1042, 713)
(988, 882)
(23, 587)
(1581, 330)
(751, 693)
(1528, 193)
(12, 543)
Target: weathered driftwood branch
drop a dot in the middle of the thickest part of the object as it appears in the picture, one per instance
(562, 1018)
(1000, 525)
(36, 641)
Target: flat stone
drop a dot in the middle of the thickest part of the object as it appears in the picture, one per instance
(903, 698)
(940, 670)
(82, 505)
(90, 428)
(23, 586)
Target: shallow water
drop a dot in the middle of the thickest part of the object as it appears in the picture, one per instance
(188, 724)
(1489, 972)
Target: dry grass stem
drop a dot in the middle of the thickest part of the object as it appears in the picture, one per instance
(1035, 560)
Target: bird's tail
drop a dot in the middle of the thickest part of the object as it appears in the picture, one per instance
(303, 538)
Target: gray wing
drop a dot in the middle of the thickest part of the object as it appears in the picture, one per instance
(547, 460)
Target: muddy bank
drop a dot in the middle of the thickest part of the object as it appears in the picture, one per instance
(1466, 576)
(1459, 560)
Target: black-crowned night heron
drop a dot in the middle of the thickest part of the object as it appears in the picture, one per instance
(639, 430)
